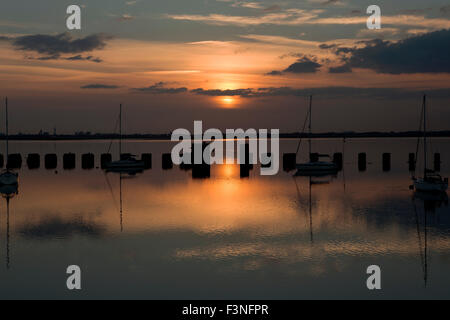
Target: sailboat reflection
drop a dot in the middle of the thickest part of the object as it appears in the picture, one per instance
(430, 203)
(8, 192)
(124, 173)
(311, 182)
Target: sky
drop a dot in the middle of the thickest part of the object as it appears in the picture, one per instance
(231, 64)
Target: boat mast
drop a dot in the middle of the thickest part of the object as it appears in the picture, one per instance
(310, 122)
(120, 132)
(425, 136)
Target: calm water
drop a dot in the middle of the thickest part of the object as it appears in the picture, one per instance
(225, 237)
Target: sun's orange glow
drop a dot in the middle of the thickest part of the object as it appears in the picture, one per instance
(228, 100)
(229, 171)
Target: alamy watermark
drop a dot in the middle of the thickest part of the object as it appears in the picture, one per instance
(374, 21)
(74, 280)
(73, 21)
(374, 280)
(212, 152)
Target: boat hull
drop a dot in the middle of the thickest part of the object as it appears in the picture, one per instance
(9, 178)
(125, 164)
(427, 186)
(316, 168)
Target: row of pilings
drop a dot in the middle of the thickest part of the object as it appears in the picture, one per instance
(69, 160)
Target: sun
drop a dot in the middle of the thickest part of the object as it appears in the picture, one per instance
(228, 100)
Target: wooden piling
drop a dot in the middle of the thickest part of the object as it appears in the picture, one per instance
(51, 161)
(69, 160)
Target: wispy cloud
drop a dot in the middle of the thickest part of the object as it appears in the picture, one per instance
(125, 17)
(286, 17)
(81, 58)
(251, 5)
(328, 92)
(297, 17)
(99, 86)
(224, 93)
(279, 40)
(159, 88)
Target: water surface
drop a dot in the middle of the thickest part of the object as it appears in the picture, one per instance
(262, 237)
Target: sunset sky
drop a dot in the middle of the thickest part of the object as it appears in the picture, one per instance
(229, 63)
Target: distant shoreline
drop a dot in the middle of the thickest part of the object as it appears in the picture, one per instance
(101, 136)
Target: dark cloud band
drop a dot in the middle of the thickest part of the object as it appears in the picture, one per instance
(99, 86)
(53, 46)
(159, 88)
(427, 53)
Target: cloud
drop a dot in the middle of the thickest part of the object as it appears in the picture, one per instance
(397, 20)
(131, 3)
(78, 57)
(99, 86)
(356, 12)
(324, 92)
(158, 88)
(298, 17)
(426, 53)
(379, 33)
(340, 69)
(125, 17)
(251, 5)
(327, 46)
(81, 58)
(223, 93)
(305, 64)
(416, 11)
(331, 2)
(272, 8)
(280, 40)
(45, 58)
(285, 17)
(63, 43)
(274, 73)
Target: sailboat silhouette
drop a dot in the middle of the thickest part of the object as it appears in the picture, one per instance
(431, 181)
(315, 167)
(126, 161)
(8, 177)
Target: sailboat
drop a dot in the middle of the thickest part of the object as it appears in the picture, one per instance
(431, 181)
(314, 166)
(127, 161)
(7, 177)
